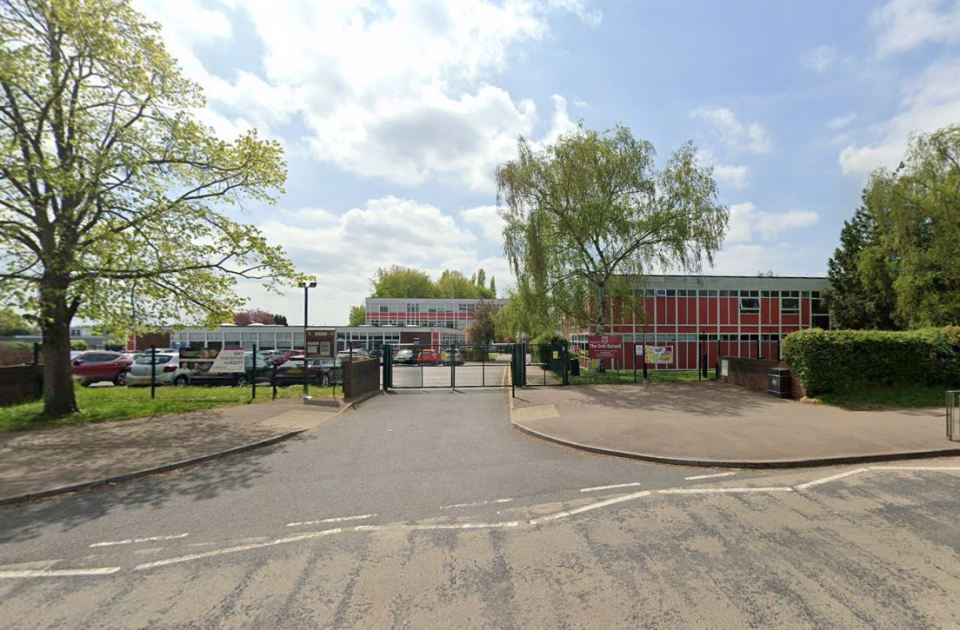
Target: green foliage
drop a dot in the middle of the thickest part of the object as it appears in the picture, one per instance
(358, 315)
(15, 353)
(861, 287)
(110, 186)
(847, 360)
(453, 284)
(526, 313)
(78, 344)
(12, 323)
(482, 330)
(280, 320)
(403, 282)
(585, 211)
(549, 339)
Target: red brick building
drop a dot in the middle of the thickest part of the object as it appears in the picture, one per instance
(693, 316)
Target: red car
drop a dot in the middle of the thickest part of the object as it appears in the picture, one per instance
(100, 365)
(428, 357)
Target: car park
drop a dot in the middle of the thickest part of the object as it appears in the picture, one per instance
(235, 379)
(319, 372)
(169, 370)
(456, 360)
(428, 357)
(96, 366)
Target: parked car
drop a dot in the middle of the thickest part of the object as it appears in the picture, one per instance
(319, 372)
(284, 355)
(169, 370)
(405, 355)
(457, 357)
(95, 366)
(235, 379)
(428, 357)
(357, 353)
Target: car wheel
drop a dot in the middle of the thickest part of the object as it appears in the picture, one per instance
(241, 381)
(324, 380)
(180, 381)
(85, 383)
(120, 380)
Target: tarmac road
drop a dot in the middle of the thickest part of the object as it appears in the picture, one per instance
(427, 509)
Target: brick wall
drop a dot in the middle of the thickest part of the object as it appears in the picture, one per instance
(752, 374)
(18, 384)
(360, 376)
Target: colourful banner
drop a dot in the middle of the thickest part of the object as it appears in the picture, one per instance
(658, 354)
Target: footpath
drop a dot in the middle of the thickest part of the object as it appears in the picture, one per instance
(62, 459)
(713, 424)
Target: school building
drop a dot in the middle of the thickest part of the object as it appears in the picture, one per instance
(693, 316)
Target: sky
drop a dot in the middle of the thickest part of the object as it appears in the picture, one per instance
(395, 114)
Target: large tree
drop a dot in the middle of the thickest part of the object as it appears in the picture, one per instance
(453, 284)
(861, 289)
(12, 323)
(358, 315)
(582, 213)
(917, 210)
(109, 185)
(403, 282)
(254, 316)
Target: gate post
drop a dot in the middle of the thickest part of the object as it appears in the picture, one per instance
(453, 366)
(387, 355)
(565, 364)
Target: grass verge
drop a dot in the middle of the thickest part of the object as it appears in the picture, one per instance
(613, 377)
(887, 397)
(103, 404)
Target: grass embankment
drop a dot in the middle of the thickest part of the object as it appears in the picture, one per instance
(887, 397)
(102, 404)
(612, 377)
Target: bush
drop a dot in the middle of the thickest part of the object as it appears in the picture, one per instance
(847, 360)
(16, 353)
(78, 344)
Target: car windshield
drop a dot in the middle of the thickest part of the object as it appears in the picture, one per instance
(144, 359)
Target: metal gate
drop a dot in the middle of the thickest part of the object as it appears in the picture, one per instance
(448, 366)
(543, 365)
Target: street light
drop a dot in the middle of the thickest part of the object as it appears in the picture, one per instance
(306, 287)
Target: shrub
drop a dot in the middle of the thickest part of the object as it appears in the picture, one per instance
(16, 353)
(78, 344)
(847, 360)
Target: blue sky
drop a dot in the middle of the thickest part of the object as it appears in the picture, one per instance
(394, 115)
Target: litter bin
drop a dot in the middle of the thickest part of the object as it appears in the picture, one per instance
(778, 382)
(574, 367)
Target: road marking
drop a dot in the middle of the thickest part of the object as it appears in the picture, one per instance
(464, 525)
(724, 490)
(591, 506)
(713, 476)
(460, 505)
(616, 485)
(954, 468)
(335, 519)
(58, 572)
(237, 549)
(817, 482)
(130, 541)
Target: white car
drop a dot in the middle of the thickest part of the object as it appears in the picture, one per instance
(169, 371)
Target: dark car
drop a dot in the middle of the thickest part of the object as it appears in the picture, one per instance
(96, 366)
(235, 379)
(319, 372)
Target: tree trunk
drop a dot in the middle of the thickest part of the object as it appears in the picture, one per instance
(602, 318)
(58, 396)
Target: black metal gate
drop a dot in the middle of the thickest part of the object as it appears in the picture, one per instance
(448, 366)
(544, 364)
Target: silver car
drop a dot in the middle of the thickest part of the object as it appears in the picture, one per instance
(169, 371)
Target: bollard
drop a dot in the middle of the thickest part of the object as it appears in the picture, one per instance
(253, 394)
(153, 372)
(273, 380)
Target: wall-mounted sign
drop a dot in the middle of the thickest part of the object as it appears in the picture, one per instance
(604, 346)
(320, 344)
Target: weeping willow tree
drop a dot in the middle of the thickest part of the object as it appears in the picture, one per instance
(585, 217)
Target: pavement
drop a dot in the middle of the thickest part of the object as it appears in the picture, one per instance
(54, 459)
(714, 424)
(426, 509)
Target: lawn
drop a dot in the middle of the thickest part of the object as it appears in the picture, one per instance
(888, 397)
(588, 377)
(102, 404)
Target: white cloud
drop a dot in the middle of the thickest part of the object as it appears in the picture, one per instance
(735, 176)
(747, 259)
(732, 133)
(400, 90)
(907, 24)
(345, 251)
(747, 223)
(929, 102)
(820, 59)
(839, 122)
(487, 220)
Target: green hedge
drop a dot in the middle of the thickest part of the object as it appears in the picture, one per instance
(846, 360)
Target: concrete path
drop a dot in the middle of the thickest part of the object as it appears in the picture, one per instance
(47, 459)
(718, 425)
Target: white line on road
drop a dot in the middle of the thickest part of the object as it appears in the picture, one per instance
(953, 468)
(713, 476)
(130, 541)
(464, 525)
(335, 519)
(238, 548)
(724, 490)
(58, 572)
(817, 482)
(614, 486)
(591, 506)
(460, 505)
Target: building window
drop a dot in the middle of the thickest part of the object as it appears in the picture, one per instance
(749, 301)
(384, 309)
(790, 302)
(820, 315)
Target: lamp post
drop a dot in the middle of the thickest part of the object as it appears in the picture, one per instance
(306, 288)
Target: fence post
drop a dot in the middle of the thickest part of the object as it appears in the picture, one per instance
(453, 366)
(253, 376)
(153, 372)
(565, 362)
(703, 366)
(273, 380)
